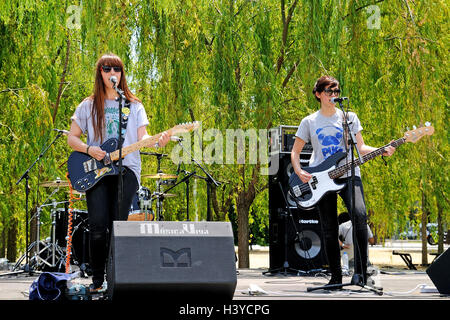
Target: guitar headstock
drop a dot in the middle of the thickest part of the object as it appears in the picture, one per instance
(184, 127)
(417, 133)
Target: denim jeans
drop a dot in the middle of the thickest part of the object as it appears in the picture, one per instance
(328, 215)
(102, 204)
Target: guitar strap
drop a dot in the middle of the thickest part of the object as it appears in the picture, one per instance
(125, 114)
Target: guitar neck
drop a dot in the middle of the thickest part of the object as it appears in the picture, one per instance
(340, 171)
(147, 142)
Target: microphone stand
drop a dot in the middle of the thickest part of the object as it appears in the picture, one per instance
(120, 98)
(357, 279)
(26, 176)
(209, 181)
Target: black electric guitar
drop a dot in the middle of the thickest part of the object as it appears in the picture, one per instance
(85, 171)
(306, 195)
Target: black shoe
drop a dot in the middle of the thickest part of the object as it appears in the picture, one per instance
(334, 282)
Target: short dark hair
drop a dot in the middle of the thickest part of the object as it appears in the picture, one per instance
(322, 83)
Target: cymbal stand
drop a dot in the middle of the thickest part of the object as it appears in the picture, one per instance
(51, 261)
(26, 176)
(209, 181)
(188, 175)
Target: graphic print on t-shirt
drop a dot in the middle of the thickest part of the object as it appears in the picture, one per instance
(112, 122)
(330, 138)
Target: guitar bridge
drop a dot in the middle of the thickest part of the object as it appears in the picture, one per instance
(90, 165)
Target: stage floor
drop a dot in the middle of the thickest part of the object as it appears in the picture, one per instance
(252, 284)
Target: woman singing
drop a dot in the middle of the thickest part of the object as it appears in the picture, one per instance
(98, 117)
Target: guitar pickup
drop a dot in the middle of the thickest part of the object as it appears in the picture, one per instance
(313, 182)
(297, 191)
(90, 165)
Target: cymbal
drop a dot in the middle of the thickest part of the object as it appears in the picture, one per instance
(55, 183)
(164, 195)
(160, 176)
(79, 193)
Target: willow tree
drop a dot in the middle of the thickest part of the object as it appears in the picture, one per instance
(239, 65)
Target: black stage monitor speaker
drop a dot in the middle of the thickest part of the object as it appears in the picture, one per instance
(167, 259)
(439, 272)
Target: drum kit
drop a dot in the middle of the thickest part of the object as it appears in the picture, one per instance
(50, 254)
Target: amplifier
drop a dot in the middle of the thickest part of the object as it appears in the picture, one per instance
(156, 259)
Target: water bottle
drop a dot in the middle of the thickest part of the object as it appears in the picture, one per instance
(345, 263)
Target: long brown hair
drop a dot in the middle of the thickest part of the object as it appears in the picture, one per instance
(98, 97)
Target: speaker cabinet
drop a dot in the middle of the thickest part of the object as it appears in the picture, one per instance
(297, 238)
(439, 272)
(167, 259)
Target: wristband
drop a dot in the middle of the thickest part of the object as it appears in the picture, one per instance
(87, 149)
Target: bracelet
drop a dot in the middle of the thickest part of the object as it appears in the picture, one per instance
(87, 149)
(157, 146)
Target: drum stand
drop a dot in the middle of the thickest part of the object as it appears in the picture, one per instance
(146, 207)
(55, 254)
(55, 260)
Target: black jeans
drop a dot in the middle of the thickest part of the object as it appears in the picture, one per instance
(102, 204)
(328, 215)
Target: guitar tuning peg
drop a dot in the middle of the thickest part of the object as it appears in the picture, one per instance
(414, 127)
(427, 124)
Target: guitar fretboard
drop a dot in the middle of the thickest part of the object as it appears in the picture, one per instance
(340, 171)
(147, 142)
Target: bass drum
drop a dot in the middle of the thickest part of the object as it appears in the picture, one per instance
(80, 241)
(80, 234)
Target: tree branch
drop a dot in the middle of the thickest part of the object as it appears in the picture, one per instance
(290, 73)
(63, 76)
(286, 21)
(360, 8)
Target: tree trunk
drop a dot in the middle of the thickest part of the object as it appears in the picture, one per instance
(243, 236)
(11, 250)
(3, 240)
(244, 200)
(440, 212)
(424, 220)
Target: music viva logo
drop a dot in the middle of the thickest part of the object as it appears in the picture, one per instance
(185, 229)
(175, 259)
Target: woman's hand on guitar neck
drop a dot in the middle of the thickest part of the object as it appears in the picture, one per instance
(163, 139)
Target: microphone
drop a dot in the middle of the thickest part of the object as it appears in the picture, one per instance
(334, 100)
(113, 79)
(64, 132)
